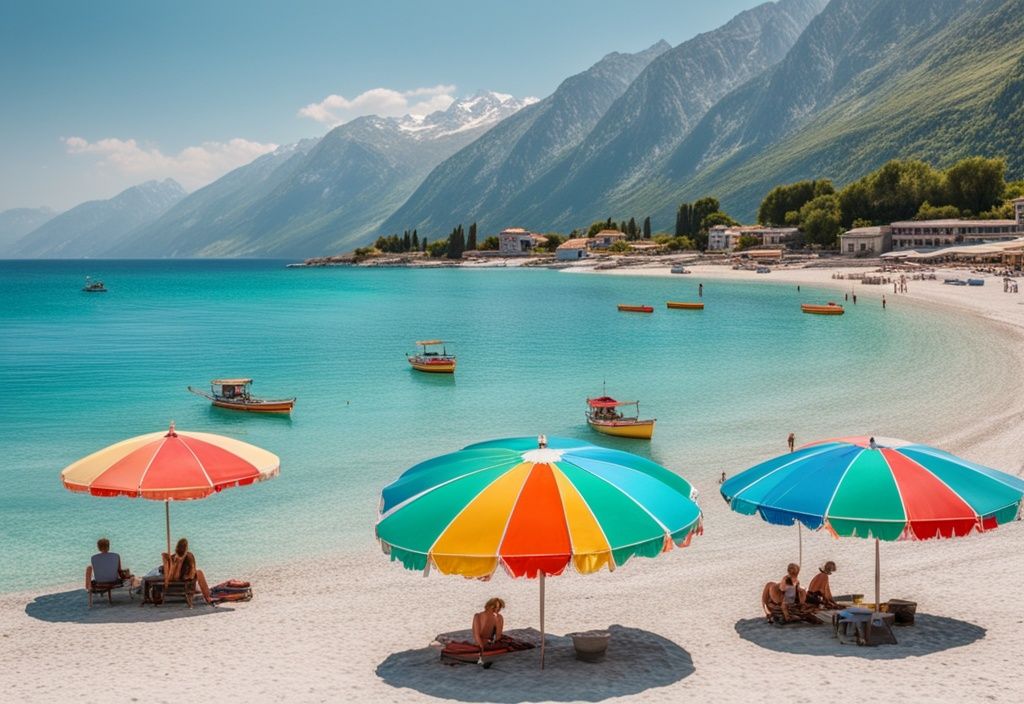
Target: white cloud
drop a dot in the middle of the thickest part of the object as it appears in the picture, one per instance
(192, 166)
(337, 109)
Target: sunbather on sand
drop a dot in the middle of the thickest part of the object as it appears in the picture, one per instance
(489, 624)
(786, 596)
(819, 592)
(180, 565)
(105, 566)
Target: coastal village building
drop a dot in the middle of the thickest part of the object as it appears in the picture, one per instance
(515, 241)
(727, 238)
(866, 240)
(605, 239)
(573, 249)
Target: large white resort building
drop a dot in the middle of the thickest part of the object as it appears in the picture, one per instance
(932, 234)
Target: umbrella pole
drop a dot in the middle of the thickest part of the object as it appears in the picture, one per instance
(542, 639)
(800, 539)
(167, 519)
(878, 579)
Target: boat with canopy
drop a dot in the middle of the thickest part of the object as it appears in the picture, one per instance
(430, 360)
(604, 416)
(235, 395)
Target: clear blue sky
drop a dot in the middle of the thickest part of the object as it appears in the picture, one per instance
(183, 79)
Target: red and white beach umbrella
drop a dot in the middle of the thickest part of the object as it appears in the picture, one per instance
(170, 466)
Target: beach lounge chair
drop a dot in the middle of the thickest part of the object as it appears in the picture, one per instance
(106, 577)
(156, 592)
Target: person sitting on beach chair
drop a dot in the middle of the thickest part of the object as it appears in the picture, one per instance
(819, 592)
(180, 566)
(105, 573)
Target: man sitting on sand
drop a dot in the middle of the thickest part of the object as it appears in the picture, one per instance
(819, 592)
(105, 566)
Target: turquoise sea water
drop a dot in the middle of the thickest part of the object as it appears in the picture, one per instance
(80, 371)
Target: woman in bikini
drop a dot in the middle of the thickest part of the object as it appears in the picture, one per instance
(489, 624)
(180, 565)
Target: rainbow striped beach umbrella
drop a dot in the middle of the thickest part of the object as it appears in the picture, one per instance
(878, 488)
(534, 509)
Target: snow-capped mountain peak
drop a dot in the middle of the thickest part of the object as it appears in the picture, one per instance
(483, 109)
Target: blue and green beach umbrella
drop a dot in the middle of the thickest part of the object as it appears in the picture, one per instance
(534, 509)
(880, 488)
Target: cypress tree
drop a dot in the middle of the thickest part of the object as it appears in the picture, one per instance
(609, 225)
(425, 243)
(631, 228)
(406, 242)
(647, 227)
(471, 242)
(415, 241)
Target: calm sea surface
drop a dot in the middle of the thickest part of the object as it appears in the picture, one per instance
(80, 371)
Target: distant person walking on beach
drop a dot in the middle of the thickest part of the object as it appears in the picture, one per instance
(791, 440)
(894, 287)
(700, 290)
(846, 296)
(798, 288)
(721, 479)
(883, 302)
(855, 299)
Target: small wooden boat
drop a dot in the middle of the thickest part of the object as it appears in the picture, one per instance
(234, 394)
(94, 286)
(603, 415)
(684, 305)
(430, 360)
(830, 309)
(635, 309)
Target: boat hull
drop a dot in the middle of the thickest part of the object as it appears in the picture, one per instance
(684, 306)
(433, 367)
(822, 310)
(640, 429)
(636, 309)
(282, 406)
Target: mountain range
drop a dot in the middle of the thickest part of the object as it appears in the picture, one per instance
(787, 90)
(321, 195)
(91, 228)
(18, 222)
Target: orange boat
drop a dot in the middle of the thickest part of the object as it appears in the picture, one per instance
(831, 308)
(684, 306)
(636, 309)
(234, 395)
(430, 360)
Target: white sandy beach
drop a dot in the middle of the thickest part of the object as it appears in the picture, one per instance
(685, 626)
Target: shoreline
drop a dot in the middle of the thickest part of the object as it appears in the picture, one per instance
(350, 626)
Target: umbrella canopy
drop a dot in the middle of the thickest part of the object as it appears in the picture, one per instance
(172, 465)
(889, 490)
(878, 488)
(534, 510)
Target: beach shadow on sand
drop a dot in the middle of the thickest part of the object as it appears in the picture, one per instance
(73, 607)
(929, 634)
(636, 661)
